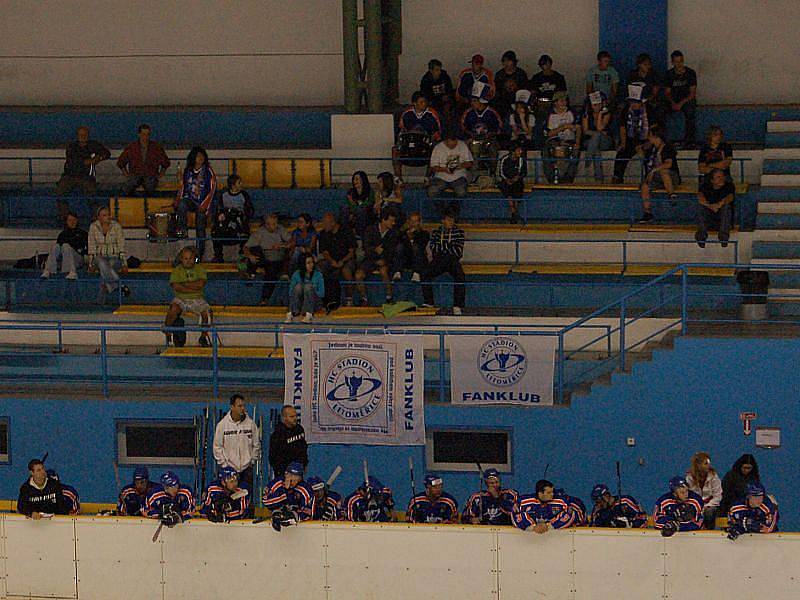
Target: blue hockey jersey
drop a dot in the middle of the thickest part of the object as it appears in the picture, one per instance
(442, 510)
(530, 511)
(625, 510)
(490, 510)
(71, 498)
(428, 121)
(467, 79)
(329, 508)
(378, 508)
(217, 493)
(763, 519)
(157, 499)
(481, 122)
(688, 514)
(300, 498)
(131, 502)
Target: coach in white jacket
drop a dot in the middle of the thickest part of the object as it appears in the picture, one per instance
(236, 441)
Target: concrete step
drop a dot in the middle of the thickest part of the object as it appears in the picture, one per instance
(782, 208)
(772, 250)
(779, 194)
(783, 139)
(784, 280)
(778, 221)
(783, 126)
(781, 153)
(780, 180)
(782, 166)
(784, 294)
(790, 262)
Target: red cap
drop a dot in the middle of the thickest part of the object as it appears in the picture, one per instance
(477, 59)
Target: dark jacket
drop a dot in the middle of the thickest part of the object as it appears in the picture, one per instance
(76, 154)
(734, 484)
(48, 500)
(77, 238)
(373, 239)
(287, 446)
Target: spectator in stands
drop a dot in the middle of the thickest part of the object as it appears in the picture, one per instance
(233, 212)
(716, 153)
(266, 248)
(380, 246)
(563, 133)
(469, 76)
(603, 78)
(83, 156)
(413, 247)
(445, 251)
(512, 170)
(336, 260)
(543, 87)
(634, 125)
(198, 187)
(644, 75)
(303, 242)
(508, 80)
(521, 122)
(437, 86)
(106, 252)
(188, 280)
(704, 481)
(358, 213)
(307, 289)
(481, 125)
(143, 163)
(680, 89)
(734, 485)
(450, 163)
(715, 208)
(419, 129)
(595, 129)
(389, 193)
(662, 170)
(70, 248)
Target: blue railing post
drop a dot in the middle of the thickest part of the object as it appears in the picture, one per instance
(622, 335)
(516, 252)
(684, 296)
(624, 255)
(30, 172)
(215, 362)
(104, 362)
(60, 337)
(441, 368)
(560, 378)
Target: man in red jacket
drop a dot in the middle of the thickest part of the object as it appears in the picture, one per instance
(143, 163)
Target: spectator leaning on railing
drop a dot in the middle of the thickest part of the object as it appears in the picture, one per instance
(143, 163)
(83, 155)
(107, 252)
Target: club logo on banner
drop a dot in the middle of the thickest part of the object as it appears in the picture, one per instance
(502, 369)
(357, 390)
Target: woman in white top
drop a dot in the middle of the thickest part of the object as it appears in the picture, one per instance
(703, 479)
(107, 251)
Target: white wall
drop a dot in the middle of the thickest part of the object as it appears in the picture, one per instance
(744, 52)
(454, 30)
(108, 558)
(105, 40)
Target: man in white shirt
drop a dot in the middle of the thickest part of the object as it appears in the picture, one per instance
(236, 441)
(450, 163)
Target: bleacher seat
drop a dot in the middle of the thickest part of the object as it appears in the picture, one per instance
(282, 173)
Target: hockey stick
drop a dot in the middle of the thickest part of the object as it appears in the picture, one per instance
(336, 472)
(619, 482)
(366, 476)
(44, 458)
(413, 486)
(158, 532)
(480, 484)
(239, 494)
(116, 475)
(204, 453)
(546, 467)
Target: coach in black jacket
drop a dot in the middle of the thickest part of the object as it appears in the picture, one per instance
(40, 494)
(287, 444)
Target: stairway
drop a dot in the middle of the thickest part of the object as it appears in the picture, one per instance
(777, 236)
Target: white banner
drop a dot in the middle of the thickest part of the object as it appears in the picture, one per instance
(357, 389)
(504, 369)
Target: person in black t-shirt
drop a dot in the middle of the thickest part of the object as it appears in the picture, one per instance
(83, 156)
(437, 86)
(680, 88)
(715, 208)
(715, 153)
(336, 247)
(412, 247)
(380, 241)
(645, 75)
(662, 170)
(71, 247)
(507, 81)
(41, 496)
(543, 86)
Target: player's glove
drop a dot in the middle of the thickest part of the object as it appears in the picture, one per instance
(621, 523)
(751, 525)
(685, 512)
(170, 517)
(329, 514)
(734, 532)
(669, 529)
(219, 511)
(283, 517)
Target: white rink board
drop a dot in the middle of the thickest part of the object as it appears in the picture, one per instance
(395, 561)
(116, 559)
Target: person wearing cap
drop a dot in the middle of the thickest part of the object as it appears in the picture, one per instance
(522, 122)
(70, 495)
(419, 128)
(595, 126)
(371, 502)
(467, 78)
(563, 133)
(450, 163)
(680, 90)
(327, 503)
(225, 499)
(543, 510)
(662, 171)
(237, 441)
(507, 81)
(492, 506)
(170, 501)
(434, 505)
(602, 77)
(680, 509)
(290, 499)
(133, 497)
(512, 170)
(634, 125)
(437, 86)
(755, 512)
(615, 511)
(481, 125)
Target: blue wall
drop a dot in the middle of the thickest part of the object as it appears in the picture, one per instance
(683, 401)
(630, 27)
